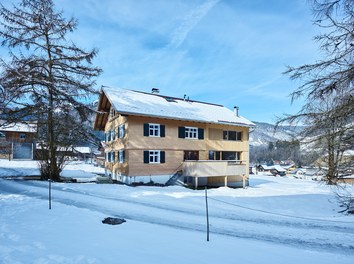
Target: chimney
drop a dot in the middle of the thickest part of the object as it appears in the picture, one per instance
(236, 110)
(155, 90)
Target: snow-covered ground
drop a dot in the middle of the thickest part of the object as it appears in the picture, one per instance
(275, 220)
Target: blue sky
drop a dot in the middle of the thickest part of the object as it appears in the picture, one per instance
(231, 52)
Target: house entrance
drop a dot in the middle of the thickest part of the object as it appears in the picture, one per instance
(191, 155)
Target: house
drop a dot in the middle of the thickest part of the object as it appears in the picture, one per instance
(152, 137)
(18, 132)
(264, 168)
(278, 170)
(83, 153)
(289, 167)
(298, 173)
(348, 179)
(17, 140)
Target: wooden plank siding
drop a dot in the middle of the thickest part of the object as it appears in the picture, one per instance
(134, 143)
(14, 136)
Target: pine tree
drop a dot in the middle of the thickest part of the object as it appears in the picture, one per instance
(47, 77)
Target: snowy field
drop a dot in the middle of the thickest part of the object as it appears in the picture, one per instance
(275, 220)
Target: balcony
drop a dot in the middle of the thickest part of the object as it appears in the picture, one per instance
(214, 168)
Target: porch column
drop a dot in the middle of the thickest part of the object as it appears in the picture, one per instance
(196, 182)
(225, 181)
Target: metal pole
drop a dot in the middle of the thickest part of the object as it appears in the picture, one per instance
(50, 194)
(207, 211)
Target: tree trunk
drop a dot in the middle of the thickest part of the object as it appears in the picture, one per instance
(331, 174)
(54, 173)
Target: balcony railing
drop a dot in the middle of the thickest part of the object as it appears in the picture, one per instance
(212, 168)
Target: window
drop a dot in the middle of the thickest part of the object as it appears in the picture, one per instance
(232, 135)
(214, 155)
(211, 155)
(121, 154)
(110, 135)
(191, 155)
(231, 155)
(239, 136)
(154, 130)
(22, 136)
(154, 156)
(191, 132)
(170, 99)
(112, 113)
(121, 131)
(113, 134)
(110, 156)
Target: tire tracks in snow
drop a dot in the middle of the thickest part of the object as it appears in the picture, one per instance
(304, 234)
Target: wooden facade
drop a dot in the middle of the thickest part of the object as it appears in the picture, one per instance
(17, 141)
(18, 137)
(174, 146)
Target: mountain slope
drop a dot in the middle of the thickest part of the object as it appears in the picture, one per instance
(264, 133)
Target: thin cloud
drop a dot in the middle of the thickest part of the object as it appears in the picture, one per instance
(264, 90)
(190, 21)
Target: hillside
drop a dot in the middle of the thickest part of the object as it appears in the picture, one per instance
(265, 133)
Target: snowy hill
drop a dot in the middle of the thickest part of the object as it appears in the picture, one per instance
(265, 133)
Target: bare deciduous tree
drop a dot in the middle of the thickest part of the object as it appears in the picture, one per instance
(327, 85)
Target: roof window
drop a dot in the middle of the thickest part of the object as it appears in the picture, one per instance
(170, 99)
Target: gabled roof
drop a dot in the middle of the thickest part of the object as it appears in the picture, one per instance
(18, 127)
(155, 105)
(278, 168)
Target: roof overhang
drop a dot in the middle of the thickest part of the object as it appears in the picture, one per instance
(102, 113)
(105, 104)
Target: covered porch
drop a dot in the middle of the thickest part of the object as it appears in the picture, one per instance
(215, 173)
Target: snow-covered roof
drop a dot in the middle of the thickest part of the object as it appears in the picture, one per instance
(348, 152)
(278, 168)
(140, 103)
(288, 166)
(83, 150)
(18, 127)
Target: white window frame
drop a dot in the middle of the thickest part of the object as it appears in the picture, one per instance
(191, 132)
(154, 130)
(154, 155)
(120, 156)
(110, 156)
(113, 134)
(121, 131)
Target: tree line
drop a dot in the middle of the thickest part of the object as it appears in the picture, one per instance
(284, 151)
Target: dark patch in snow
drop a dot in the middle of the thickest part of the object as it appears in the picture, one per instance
(113, 221)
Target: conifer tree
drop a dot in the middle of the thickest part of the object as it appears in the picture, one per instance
(45, 77)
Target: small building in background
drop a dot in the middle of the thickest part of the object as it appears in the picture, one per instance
(17, 140)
